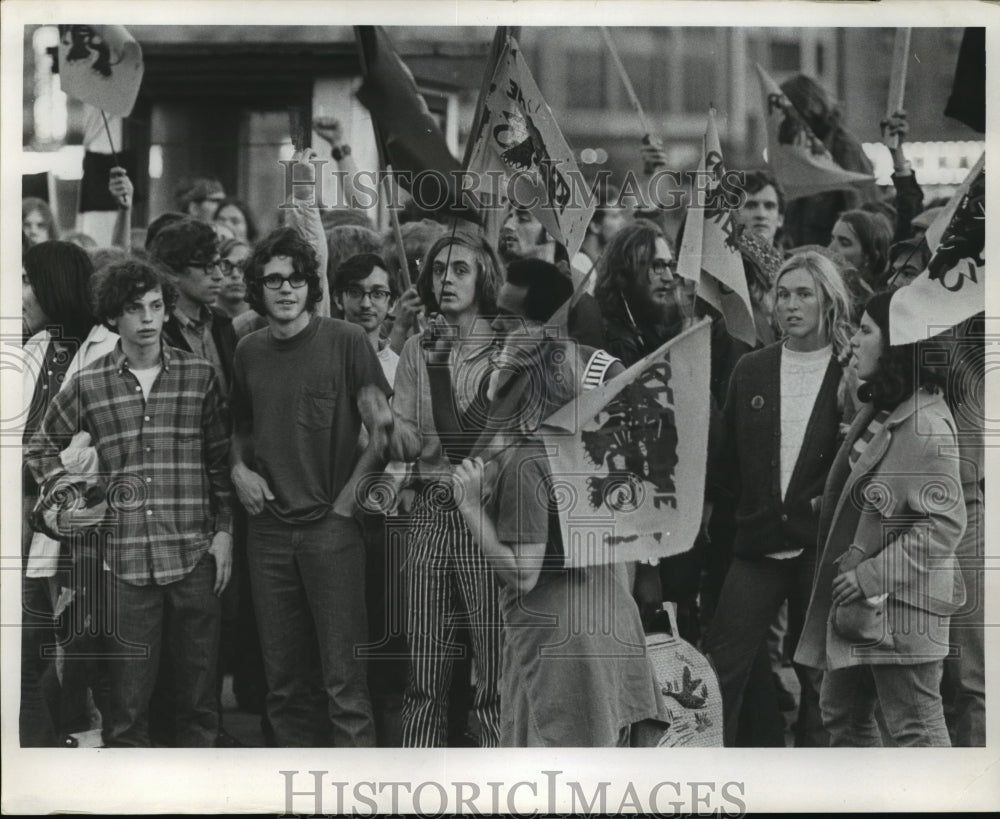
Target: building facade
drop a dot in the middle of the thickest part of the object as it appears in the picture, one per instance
(215, 99)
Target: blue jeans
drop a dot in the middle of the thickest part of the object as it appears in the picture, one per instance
(186, 616)
(910, 697)
(308, 585)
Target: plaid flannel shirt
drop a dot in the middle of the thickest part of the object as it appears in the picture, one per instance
(164, 461)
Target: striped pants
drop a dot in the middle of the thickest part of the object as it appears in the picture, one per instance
(448, 583)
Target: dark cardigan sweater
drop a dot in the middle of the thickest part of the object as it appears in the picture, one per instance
(748, 468)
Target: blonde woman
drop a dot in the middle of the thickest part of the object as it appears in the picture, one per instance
(781, 431)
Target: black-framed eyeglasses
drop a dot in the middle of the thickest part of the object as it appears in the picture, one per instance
(214, 264)
(229, 267)
(274, 281)
(377, 295)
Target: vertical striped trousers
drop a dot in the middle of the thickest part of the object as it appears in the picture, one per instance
(448, 583)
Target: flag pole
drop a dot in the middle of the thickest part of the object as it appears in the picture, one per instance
(897, 81)
(629, 89)
(404, 268)
(111, 143)
(384, 164)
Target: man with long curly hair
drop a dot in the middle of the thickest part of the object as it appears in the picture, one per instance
(301, 389)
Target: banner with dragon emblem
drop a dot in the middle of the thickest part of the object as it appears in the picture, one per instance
(101, 66)
(710, 252)
(953, 287)
(629, 482)
(799, 159)
(519, 130)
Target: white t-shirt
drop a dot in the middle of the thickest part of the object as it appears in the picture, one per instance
(146, 378)
(389, 361)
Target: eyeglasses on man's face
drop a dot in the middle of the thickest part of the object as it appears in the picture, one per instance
(228, 267)
(662, 269)
(377, 294)
(209, 266)
(274, 281)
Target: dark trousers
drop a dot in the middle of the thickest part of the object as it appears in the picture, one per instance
(964, 684)
(309, 594)
(181, 620)
(386, 652)
(38, 717)
(748, 603)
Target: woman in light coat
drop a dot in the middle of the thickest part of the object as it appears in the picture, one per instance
(892, 516)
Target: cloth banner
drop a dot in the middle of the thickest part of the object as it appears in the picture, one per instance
(479, 161)
(628, 457)
(710, 253)
(412, 141)
(953, 287)
(519, 136)
(800, 161)
(101, 66)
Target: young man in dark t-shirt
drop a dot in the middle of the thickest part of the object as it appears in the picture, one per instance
(301, 389)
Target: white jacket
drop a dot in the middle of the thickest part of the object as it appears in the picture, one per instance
(44, 552)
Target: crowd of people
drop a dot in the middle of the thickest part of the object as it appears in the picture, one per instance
(307, 460)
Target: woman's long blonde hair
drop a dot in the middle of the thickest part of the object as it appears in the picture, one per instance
(835, 307)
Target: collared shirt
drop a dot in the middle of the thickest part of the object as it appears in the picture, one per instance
(164, 461)
(198, 334)
(470, 365)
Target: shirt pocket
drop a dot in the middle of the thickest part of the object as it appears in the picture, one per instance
(316, 408)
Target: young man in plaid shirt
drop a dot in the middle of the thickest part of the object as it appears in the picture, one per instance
(156, 418)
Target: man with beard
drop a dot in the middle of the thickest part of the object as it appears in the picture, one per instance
(637, 291)
(638, 294)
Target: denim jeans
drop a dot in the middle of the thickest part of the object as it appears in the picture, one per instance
(308, 585)
(748, 603)
(910, 698)
(185, 617)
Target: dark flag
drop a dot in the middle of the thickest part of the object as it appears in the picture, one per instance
(967, 102)
(409, 137)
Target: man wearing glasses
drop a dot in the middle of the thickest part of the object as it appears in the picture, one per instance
(301, 389)
(638, 293)
(365, 292)
(188, 252)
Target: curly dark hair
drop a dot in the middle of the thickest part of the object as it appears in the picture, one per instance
(284, 241)
(120, 283)
(903, 368)
(489, 269)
